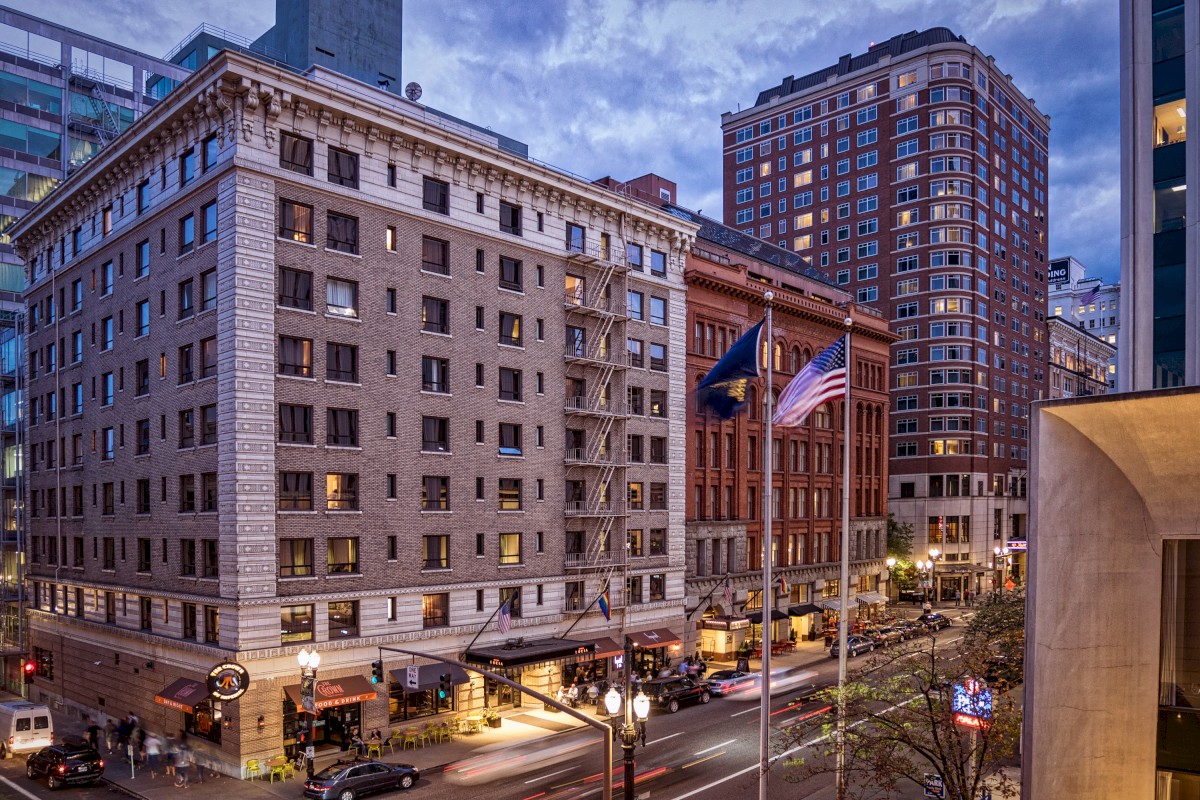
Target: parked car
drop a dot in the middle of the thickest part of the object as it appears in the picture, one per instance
(670, 693)
(62, 764)
(883, 636)
(855, 645)
(909, 629)
(727, 681)
(346, 780)
(934, 621)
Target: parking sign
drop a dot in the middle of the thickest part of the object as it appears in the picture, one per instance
(934, 786)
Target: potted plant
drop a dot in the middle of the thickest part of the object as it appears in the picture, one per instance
(491, 717)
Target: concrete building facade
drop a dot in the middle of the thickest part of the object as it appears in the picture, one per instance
(1111, 686)
(914, 175)
(309, 370)
(1079, 361)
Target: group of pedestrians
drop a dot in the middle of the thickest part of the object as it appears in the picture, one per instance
(172, 754)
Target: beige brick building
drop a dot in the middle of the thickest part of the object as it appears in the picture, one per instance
(310, 367)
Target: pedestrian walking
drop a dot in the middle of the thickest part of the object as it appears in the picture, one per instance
(110, 735)
(957, 597)
(172, 752)
(93, 734)
(153, 747)
(183, 768)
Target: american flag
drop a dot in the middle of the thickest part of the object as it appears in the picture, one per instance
(821, 380)
(504, 621)
(1090, 296)
(728, 590)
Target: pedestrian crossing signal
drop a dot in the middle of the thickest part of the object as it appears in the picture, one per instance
(377, 672)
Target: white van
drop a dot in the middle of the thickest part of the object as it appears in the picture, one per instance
(24, 727)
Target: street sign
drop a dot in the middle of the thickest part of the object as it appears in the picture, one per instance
(934, 786)
(1009, 585)
(412, 677)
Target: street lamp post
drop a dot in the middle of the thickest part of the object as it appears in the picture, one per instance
(1002, 561)
(891, 564)
(630, 729)
(308, 660)
(933, 557)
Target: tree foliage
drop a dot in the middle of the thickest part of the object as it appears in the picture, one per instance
(900, 717)
(899, 539)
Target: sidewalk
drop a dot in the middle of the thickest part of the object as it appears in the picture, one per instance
(212, 786)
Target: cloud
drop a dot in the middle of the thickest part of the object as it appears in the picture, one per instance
(625, 87)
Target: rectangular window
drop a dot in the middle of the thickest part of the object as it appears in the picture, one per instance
(510, 329)
(435, 552)
(295, 424)
(435, 493)
(187, 234)
(510, 218)
(510, 274)
(435, 256)
(295, 356)
(510, 548)
(342, 557)
(435, 610)
(343, 168)
(295, 289)
(343, 619)
(296, 153)
(341, 298)
(341, 491)
(435, 375)
(341, 427)
(208, 290)
(208, 216)
(341, 362)
(295, 558)
(295, 491)
(436, 196)
(295, 222)
(341, 233)
(435, 434)
(187, 167)
(295, 622)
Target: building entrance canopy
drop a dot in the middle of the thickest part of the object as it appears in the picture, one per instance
(519, 653)
(335, 692)
(183, 695)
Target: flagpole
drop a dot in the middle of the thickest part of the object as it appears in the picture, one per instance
(844, 578)
(764, 715)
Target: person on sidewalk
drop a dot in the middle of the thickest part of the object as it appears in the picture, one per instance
(172, 750)
(957, 597)
(153, 747)
(93, 734)
(110, 735)
(183, 768)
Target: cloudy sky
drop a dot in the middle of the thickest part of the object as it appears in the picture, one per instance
(625, 87)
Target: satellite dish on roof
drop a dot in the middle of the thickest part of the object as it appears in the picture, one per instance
(413, 91)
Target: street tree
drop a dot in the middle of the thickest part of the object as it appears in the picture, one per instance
(902, 723)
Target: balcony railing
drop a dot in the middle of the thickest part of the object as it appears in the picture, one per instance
(603, 456)
(594, 508)
(600, 406)
(604, 558)
(597, 354)
(597, 303)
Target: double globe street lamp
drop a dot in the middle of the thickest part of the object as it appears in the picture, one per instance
(629, 731)
(308, 660)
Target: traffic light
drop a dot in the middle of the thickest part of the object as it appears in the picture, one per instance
(377, 672)
(28, 667)
(444, 686)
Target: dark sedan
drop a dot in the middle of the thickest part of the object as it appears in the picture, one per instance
(62, 764)
(855, 645)
(347, 780)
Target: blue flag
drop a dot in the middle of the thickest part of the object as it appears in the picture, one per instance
(723, 390)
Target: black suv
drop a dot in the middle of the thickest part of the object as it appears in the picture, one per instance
(347, 780)
(934, 621)
(61, 764)
(668, 693)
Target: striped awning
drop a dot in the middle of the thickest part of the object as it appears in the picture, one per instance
(870, 598)
(830, 603)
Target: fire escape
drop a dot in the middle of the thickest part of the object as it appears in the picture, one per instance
(595, 408)
(101, 123)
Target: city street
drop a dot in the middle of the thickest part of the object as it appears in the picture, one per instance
(703, 751)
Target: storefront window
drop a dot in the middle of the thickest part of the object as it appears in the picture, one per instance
(404, 705)
(205, 722)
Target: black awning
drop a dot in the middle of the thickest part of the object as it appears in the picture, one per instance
(183, 695)
(655, 637)
(804, 608)
(755, 617)
(519, 652)
(429, 676)
(606, 647)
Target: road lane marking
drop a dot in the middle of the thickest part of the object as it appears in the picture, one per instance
(754, 767)
(30, 795)
(747, 711)
(702, 760)
(714, 747)
(664, 738)
(549, 775)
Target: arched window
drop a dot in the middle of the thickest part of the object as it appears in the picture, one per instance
(778, 356)
(752, 401)
(820, 416)
(794, 361)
